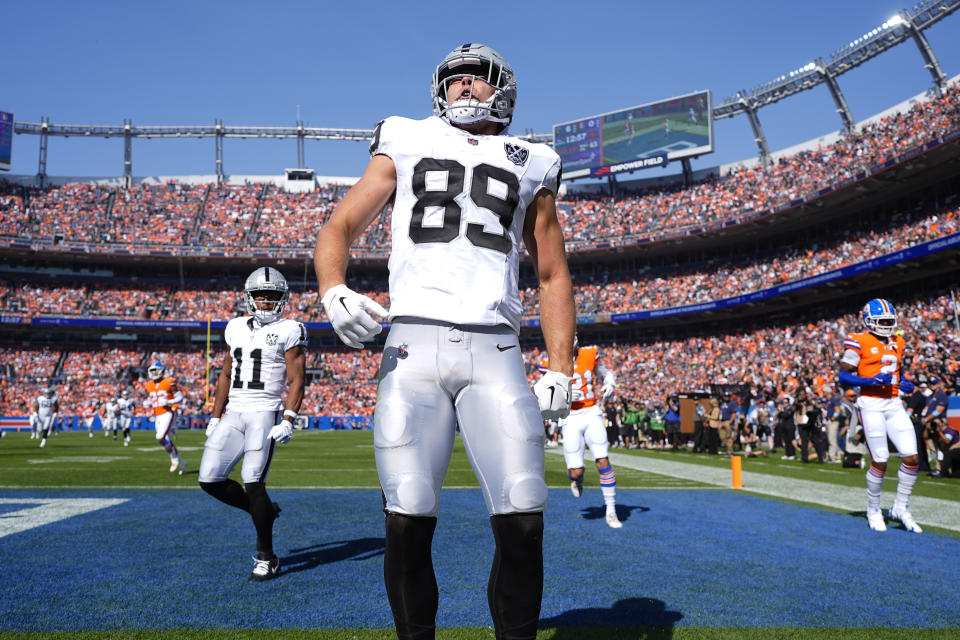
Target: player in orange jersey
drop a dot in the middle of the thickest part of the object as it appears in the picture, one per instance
(163, 397)
(871, 360)
(88, 413)
(585, 426)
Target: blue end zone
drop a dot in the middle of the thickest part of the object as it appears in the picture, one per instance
(175, 559)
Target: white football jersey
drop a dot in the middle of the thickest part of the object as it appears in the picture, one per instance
(259, 367)
(458, 218)
(110, 409)
(125, 405)
(45, 405)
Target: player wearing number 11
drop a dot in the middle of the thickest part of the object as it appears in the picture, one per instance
(872, 361)
(465, 196)
(264, 352)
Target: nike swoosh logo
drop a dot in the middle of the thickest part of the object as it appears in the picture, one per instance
(342, 303)
(502, 349)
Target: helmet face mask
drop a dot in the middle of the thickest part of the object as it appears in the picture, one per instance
(879, 317)
(479, 62)
(155, 371)
(269, 285)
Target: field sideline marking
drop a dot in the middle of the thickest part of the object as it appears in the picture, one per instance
(932, 511)
(142, 487)
(49, 510)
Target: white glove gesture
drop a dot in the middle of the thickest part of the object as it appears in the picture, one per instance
(607, 390)
(553, 394)
(352, 315)
(212, 425)
(282, 432)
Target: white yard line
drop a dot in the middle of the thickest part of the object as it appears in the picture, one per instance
(930, 511)
(47, 511)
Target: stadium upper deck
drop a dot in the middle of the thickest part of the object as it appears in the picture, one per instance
(260, 219)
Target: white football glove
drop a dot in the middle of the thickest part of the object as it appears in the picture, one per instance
(553, 394)
(281, 432)
(212, 425)
(352, 315)
(607, 390)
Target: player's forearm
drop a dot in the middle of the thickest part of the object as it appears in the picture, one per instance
(330, 257)
(294, 396)
(358, 208)
(220, 395)
(558, 320)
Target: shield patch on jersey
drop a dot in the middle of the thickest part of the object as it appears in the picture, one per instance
(272, 339)
(516, 154)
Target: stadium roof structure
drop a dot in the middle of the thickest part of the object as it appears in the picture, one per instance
(906, 24)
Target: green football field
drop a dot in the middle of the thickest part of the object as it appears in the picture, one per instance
(344, 459)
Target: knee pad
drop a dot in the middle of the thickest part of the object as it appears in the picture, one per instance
(411, 494)
(525, 491)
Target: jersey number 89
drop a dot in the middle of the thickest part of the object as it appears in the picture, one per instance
(503, 208)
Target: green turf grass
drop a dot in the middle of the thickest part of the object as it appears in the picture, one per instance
(329, 459)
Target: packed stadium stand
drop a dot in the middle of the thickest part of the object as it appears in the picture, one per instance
(750, 277)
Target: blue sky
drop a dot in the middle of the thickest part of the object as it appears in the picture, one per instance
(350, 64)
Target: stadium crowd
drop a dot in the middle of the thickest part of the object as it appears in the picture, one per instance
(750, 192)
(650, 288)
(773, 360)
(211, 217)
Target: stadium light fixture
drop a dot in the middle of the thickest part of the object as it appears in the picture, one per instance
(894, 21)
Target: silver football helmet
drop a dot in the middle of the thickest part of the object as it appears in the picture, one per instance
(266, 279)
(477, 61)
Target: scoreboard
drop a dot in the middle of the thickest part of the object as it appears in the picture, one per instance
(648, 135)
(6, 140)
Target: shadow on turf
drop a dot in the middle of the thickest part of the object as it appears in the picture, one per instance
(311, 557)
(624, 512)
(648, 619)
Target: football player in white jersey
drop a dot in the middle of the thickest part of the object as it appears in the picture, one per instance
(125, 408)
(111, 412)
(47, 405)
(465, 195)
(34, 424)
(264, 352)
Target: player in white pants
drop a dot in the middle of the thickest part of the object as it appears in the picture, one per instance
(125, 419)
(871, 360)
(110, 414)
(163, 397)
(466, 194)
(586, 426)
(264, 351)
(46, 405)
